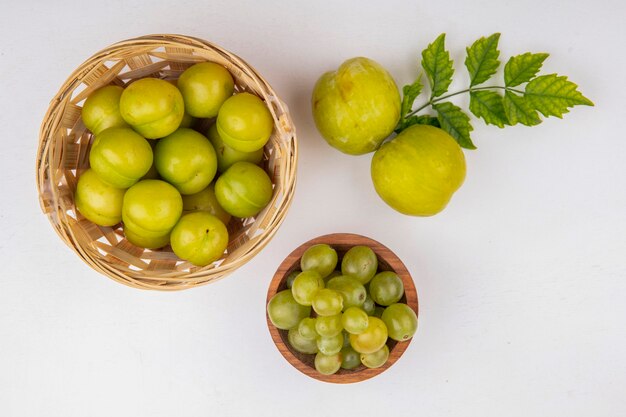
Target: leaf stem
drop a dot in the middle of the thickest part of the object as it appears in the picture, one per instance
(467, 90)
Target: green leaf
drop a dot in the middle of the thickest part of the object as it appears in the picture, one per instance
(418, 120)
(553, 95)
(521, 68)
(409, 94)
(438, 66)
(482, 59)
(488, 105)
(455, 122)
(519, 111)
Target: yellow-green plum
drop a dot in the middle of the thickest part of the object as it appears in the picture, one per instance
(205, 86)
(418, 171)
(188, 120)
(151, 208)
(98, 201)
(120, 156)
(199, 237)
(244, 189)
(153, 107)
(152, 173)
(244, 122)
(102, 109)
(357, 106)
(153, 242)
(205, 200)
(227, 156)
(187, 160)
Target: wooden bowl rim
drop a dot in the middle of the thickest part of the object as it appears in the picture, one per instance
(361, 374)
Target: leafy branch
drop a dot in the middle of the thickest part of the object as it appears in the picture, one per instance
(499, 105)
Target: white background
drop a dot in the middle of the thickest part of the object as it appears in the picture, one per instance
(522, 279)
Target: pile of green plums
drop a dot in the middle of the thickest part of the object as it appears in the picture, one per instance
(168, 183)
(356, 109)
(343, 316)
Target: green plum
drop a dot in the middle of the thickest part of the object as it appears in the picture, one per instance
(152, 173)
(205, 200)
(151, 208)
(244, 122)
(102, 109)
(152, 242)
(188, 120)
(244, 189)
(186, 159)
(284, 312)
(98, 201)
(205, 86)
(417, 172)
(356, 107)
(200, 238)
(120, 156)
(227, 156)
(153, 107)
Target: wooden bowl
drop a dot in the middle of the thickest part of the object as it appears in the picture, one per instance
(341, 242)
(63, 154)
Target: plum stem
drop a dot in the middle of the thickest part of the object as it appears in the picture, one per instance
(434, 100)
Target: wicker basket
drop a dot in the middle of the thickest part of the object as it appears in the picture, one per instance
(63, 154)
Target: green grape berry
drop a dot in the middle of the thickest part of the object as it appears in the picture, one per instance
(301, 344)
(291, 277)
(375, 359)
(369, 306)
(327, 302)
(401, 321)
(350, 358)
(330, 345)
(305, 287)
(306, 328)
(327, 364)
(327, 326)
(284, 312)
(386, 288)
(352, 291)
(372, 339)
(354, 320)
(360, 262)
(320, 258)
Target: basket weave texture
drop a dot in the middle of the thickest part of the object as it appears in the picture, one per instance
(63, 154)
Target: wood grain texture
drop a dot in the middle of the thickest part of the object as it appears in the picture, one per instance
(63, 154)
(341, 242)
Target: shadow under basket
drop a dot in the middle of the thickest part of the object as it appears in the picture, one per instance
(341, 242)
(63, 154)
